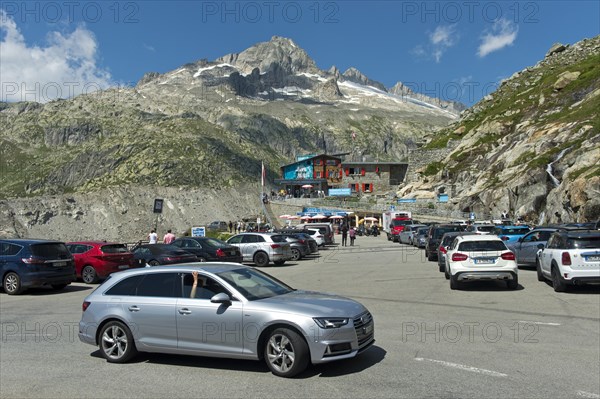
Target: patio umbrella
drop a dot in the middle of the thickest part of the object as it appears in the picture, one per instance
(319, 217)
(371, 219)
(307, 186)
(336, 217)
(285, 216)
(294, 217)
(305, 217)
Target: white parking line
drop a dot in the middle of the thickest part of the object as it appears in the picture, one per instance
(583, 394)
(541, 323)
(463, 367)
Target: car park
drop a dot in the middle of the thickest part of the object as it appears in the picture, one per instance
(527, 247)
(262, 248)
(434, 237)
(254, 316)
(28, 263)
(95, 260)
(570, 257)
(209, 249)
(480, 257)
(510, 234)
(162, 254)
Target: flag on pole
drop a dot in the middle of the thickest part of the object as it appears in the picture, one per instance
(263, 174)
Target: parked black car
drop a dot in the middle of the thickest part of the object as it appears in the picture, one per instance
(35, 263)
(209, 249)
(302, 235)
(162, 254)
(434, 237)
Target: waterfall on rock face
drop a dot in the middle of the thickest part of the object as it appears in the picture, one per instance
(542, 218)
(550, 170)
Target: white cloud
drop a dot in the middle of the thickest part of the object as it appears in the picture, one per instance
(444, 36)
(66, 66)
(503, 33)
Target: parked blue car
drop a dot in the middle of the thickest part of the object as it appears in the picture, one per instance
(511, 233)
(28, 263)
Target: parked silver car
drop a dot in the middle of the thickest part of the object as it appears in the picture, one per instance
(232, 311)
(526, 248)
(262, 248)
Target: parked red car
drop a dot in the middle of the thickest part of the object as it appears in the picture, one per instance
(95, 260)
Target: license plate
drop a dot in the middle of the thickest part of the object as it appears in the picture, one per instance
(595, 258)
(59, 264)
(121, 267)
(484, 261)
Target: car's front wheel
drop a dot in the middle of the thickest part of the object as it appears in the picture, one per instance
(89, 275)
(296, 255)
(116, 342)
(261, 259)
(12, 284)
(286, 353)
(558, 283)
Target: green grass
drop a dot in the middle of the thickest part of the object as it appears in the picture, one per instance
(433, 168)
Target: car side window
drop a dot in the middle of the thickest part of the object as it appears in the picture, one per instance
(158, 285)
(206, 289)
(8, 249)
(235, 240)
(125, 287)
(550, 243)
(249, 239)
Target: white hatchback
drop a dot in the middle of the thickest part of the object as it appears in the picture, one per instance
(480, 257)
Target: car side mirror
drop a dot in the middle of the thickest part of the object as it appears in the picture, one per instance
(540, 246)
(221, 298)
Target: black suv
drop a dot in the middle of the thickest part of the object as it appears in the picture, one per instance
(434, 237)
(28, 263)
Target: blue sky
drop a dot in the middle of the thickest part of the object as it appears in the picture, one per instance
(457, 50)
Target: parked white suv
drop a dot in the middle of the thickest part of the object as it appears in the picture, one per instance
(262, 248)
(480, 257)
(570, 257)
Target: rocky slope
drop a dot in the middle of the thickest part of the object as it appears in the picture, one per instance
(532, 147)
(205, 127)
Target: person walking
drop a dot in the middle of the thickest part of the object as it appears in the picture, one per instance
(352, 234)
(345, 235)
(169, 237)
(152, 237)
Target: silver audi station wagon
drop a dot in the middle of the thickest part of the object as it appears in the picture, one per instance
(222, 310)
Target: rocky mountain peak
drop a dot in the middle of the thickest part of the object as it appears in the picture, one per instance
(279, 51)
(354, 75)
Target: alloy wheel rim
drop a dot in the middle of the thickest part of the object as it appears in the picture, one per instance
(114, 342)
(11, 283)
(280, 353)
(88, 275)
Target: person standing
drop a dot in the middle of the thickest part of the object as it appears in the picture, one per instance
(352, 234)
(345, 235)
(169, 237)
(230, 226)
(152, 237)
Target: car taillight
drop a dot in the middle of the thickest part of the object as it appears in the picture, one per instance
(566, 259)
(302, 241)
(220, 253)
(458, 257)
(508, 256)
(85, 305)
(33, 261)
(443, 249)
(274, 246)
(504, 238)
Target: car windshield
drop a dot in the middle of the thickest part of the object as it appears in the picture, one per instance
(401, 222)
(278, 238)
(481, 246)
(51, 250)
(254, 284)
(584, 243)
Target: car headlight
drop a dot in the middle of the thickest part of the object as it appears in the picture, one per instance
(331, 322)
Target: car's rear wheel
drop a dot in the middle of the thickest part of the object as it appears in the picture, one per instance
(89, 275)
(538, 270)
(153, 263)
(558, 283)
(454, 283)
(441, 267)
(513, 284)
(286, 353)
(116, 342)
(261, 259)
(12, 284)
(446, 274)
(296, 255)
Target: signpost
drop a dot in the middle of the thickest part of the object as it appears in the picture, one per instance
(199, 231)
(158, 207)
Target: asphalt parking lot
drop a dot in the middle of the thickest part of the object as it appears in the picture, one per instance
(483, 341)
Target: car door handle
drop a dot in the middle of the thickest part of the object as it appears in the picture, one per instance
(184, 311)
(134, 309)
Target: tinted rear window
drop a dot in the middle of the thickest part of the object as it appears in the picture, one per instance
(486, 228)
(114, 249)
(51, 251)
(438, 232)
(211, 242)
(125, 287)
(278, 238)
(513, 231)
(477, 246)
(584, 243)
